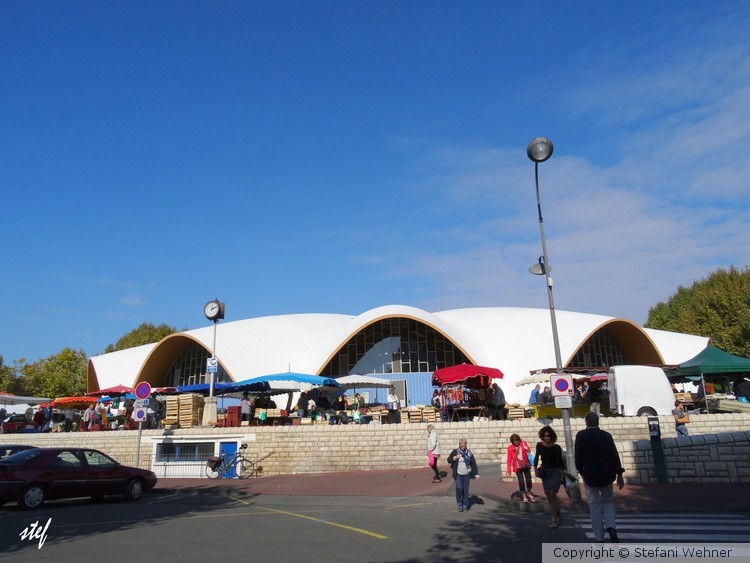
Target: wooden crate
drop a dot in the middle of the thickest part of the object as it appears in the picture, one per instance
(429, 414)
(514, 413)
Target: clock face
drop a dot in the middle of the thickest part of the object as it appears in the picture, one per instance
(211, 309)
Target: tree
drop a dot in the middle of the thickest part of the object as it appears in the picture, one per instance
(717, 306)
(61, 375)
(9, 380)
(147, 333)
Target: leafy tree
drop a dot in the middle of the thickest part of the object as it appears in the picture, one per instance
(9, 380)
(717, 306)
(61, 375)
(147, 333)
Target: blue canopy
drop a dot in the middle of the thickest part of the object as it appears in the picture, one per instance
(219, 387)
(277, 382)
(289, 381)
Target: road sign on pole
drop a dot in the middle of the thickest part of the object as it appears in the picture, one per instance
(143, 390)
(562, 385)
(212, 365)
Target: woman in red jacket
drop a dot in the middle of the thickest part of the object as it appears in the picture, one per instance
(518, 463)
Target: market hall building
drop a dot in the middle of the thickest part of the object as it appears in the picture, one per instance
(396, 342)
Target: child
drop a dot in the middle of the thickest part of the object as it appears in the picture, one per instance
(518, 463)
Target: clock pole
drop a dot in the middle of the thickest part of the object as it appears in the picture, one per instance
(214, 310)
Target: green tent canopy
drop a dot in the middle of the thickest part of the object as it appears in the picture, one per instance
(711, 361)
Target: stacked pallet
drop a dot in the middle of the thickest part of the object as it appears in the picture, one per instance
(429, 414)
(172, 417)
(191, 410)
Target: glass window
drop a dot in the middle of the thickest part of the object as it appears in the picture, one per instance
(394, 345)
(184, 451)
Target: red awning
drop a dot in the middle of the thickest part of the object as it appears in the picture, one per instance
(476, 376)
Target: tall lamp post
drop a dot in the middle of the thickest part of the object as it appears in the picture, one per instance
(214, 311)
(539, 150)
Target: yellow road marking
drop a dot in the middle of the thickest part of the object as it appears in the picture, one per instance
(408, 505)
(239, 500)
(344, 526)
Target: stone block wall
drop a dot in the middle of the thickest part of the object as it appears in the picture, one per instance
(718, 448)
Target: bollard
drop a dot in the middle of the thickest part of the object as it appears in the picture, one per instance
(654, 430)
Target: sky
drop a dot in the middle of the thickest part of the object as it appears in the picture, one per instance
(332, 157)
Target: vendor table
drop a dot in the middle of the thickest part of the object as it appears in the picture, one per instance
(459, 414)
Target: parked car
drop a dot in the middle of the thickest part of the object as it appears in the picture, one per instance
(31, 477)
(17, 423)
(6, 450)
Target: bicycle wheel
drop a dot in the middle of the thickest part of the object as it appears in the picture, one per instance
(212, 473)
(245, 468)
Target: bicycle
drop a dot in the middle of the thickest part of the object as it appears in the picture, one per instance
(234, 465)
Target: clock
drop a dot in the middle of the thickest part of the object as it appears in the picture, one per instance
(214, 310)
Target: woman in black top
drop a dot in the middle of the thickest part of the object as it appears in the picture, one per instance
(551, 470)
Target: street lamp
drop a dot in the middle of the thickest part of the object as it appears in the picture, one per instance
(539, 150)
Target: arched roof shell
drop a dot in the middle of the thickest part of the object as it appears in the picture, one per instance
(516, 340)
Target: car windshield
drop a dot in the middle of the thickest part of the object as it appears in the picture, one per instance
(21, 457)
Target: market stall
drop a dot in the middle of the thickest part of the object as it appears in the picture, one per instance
(464, 389)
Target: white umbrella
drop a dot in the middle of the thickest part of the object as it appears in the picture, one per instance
(363, 382)
(21, 400)
(533, 379)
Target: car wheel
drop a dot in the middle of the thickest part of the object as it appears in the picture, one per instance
(32, 497)
(134, 490)
(646, 411)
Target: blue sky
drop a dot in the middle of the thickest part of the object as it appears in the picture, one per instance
(296, 157)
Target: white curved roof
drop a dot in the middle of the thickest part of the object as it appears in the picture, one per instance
(515, 340)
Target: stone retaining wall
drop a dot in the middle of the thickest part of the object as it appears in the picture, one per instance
(717, 450)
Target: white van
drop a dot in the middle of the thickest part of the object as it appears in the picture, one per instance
(639, 391)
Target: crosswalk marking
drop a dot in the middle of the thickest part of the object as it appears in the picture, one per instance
(675, 526)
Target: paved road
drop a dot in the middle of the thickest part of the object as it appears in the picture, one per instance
(676, 527)
(183, 526)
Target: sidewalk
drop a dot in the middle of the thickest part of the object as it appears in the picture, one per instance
(684, 497)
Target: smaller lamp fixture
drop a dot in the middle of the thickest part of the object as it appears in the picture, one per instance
(539, 268)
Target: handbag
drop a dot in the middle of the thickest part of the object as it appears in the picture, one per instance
(569, 481)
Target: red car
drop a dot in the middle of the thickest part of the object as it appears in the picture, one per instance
(17, 423)
(32, 476)
(10, 449)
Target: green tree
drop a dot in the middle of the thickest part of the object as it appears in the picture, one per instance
(717, 306)
(147, 333)
(10, 382)
(61, 375)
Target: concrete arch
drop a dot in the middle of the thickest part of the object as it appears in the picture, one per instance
(635, 343)
(164, 354)
(371, 321)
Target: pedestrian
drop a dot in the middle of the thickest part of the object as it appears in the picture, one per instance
(245, 409)
(599, 464)
(394, 414)
(433, 451)
(464, 467)
(548, 466)
(534, 395)
(498, 402)
(680, 419)
(595, 398)
(68, 424)
(518, 462)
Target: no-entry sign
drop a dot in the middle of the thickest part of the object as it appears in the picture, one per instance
(143, 390)
(562, 385)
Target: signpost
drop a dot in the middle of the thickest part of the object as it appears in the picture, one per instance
(142, 391)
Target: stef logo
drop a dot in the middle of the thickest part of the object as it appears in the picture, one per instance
(35, 532)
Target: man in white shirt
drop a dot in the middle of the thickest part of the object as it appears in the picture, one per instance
(394, 414)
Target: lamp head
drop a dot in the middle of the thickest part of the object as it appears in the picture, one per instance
(540, 149)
